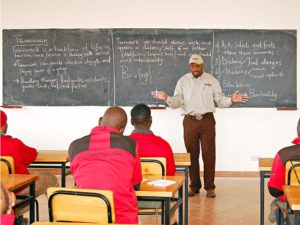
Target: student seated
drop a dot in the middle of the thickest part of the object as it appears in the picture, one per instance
(150, 145)
(105, 159)
(23, 156)
(7, 201)
(277, 178)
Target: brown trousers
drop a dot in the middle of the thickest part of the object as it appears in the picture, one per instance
(202, 132)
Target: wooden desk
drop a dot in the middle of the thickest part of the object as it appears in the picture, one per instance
(52, 159)
(292, 194)
(167, 194)
(182, 163)
(265, 166)
(16, 182)
(182, 159)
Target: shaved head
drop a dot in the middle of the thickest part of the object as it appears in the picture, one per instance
(114, 117)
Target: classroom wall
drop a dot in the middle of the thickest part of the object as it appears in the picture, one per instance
(243, 134)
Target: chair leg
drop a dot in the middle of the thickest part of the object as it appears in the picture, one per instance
(37, 210)
(156, 215)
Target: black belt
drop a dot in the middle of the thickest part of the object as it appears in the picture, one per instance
(200, 117)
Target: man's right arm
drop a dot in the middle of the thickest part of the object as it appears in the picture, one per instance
(175, 101)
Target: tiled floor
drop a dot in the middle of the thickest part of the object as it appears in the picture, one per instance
(237, 203)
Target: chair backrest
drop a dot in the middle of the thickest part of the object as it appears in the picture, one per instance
(153, 165)
(7, 165)
(81, 205)
(292, 172)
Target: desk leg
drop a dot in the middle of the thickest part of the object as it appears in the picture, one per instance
(181, 206)
(262, 197)
(186, 198)
(162, 212)
(31, 205)
(63, 174)
(186, 186)
(167, 212)
(297, 217)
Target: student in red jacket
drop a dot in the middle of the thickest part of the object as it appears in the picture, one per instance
(150, 145)
(105, 159)
(7, 201)
(23, 156)
(277, 178)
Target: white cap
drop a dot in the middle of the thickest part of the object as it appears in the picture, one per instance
(197, 59)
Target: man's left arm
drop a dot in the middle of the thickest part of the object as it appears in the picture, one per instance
(221, 100)
(171, 168)
(277, 178)
(224, 101)
(28, 154)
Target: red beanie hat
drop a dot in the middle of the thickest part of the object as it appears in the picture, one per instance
(3, 118)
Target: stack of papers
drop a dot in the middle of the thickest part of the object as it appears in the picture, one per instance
(161, 183)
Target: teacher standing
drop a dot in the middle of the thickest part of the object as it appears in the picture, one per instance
(196, 92)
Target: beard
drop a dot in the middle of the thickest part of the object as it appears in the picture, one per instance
(197, 73)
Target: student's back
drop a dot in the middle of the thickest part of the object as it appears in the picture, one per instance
(107, 160)
(151, 145)
(24, 155)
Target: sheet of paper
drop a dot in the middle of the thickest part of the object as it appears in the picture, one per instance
(161, 183)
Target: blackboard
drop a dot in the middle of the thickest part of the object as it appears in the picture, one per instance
(66, 67)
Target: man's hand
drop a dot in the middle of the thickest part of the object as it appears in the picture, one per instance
(237, 97)
(160, 95)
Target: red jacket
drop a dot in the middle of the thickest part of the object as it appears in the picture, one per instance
(22, 154)
(7, 219)
(107, 160)
(277, 178)
(151, 145)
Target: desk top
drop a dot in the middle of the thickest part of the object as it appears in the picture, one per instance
(52, 156)
(147, 190)
(66, 223)
(182, 159)
(292, 194)
(265, 164)
(15, 181)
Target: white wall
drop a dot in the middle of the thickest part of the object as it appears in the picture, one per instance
(242, 134)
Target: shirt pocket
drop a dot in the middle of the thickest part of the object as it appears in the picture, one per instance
(208, 92)
(208, 88)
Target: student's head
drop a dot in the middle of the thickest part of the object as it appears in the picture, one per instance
(141, 117)
(114, 117)
(5, 200)
(298, 128)
(196, 65)
(3, 122)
